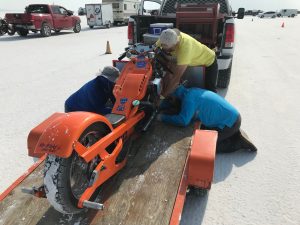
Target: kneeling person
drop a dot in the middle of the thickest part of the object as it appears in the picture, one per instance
(214, 112)
(94, 95)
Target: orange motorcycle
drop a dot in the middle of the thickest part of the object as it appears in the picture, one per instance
(85, 149)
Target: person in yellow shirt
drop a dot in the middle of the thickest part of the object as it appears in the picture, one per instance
(187, 51)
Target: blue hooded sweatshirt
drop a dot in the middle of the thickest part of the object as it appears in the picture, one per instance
(92, 97)
(199, 104)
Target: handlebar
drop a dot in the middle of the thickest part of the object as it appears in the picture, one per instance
(148, 51)
(122, 56)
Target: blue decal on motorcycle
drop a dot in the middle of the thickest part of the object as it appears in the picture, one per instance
(141, 64)
(120, 108)
(123, 100)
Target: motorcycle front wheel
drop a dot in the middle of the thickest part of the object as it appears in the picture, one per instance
(65, 179)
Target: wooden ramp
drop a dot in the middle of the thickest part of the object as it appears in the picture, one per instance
(143, 193)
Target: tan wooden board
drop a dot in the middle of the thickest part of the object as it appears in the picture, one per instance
(143, 193)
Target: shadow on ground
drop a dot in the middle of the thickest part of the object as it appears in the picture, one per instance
(225, 162)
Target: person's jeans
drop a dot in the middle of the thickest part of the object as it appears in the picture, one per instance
(227, 136)
(226, 132)
(211, 76)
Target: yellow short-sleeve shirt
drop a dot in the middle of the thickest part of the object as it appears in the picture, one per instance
(191, 52)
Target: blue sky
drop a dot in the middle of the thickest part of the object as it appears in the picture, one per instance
(19, 5)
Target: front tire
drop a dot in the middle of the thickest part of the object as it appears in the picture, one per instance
(46, 30)
(65, 179)
(77, 27)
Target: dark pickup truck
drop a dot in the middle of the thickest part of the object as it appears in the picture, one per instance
(209, 21)
(43, 18)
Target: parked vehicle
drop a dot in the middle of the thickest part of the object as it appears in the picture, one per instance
(288, 12)
(253, 12)
(99, 15)
(6, 28)
(269, 14)
(123, 9)
(210, 23)
(81, 11)
(43, 18)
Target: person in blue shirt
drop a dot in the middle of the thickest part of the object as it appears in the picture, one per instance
(95, 95)
(214, 112)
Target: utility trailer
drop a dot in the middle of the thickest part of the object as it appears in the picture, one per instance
(151, 189)
(99, 15)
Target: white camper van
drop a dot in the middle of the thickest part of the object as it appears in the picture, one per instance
(123, 9)
(288, 12)
(99, 15)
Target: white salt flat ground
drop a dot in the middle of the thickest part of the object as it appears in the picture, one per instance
(38, 74)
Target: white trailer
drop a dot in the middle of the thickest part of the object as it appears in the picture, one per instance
(99, 15)
(123, 9)
(288, 12)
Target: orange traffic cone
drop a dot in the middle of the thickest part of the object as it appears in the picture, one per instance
(108, 50)
(282, 25)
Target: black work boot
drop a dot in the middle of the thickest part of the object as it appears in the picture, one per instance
(225, 146)
(243, 142)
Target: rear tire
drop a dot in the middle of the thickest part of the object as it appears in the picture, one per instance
(224, 77)
(23, 32)
(46, 30)
(91, 27)
(66, 179)
(108, 25)
(11, 30)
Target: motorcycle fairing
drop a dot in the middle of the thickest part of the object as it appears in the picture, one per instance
(57, 134)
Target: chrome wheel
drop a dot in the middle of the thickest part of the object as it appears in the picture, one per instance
(81, 172)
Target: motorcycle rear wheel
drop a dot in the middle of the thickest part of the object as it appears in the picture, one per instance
(66, 179)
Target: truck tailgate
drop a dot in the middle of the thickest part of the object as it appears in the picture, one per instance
(18, 18)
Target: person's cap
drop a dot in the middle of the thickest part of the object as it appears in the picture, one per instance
(111, 73)
(168, 38)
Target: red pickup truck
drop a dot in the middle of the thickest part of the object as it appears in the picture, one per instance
(43, 18)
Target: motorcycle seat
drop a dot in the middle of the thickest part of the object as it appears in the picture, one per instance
(115, 119)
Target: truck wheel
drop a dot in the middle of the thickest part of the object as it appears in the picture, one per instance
(11, 31)
(22, 33)
(91, 27)
(293, 15)
(108, 25)
(199, 192)
(224, 77)
(45, 30)
(77, 27)
(66, 179)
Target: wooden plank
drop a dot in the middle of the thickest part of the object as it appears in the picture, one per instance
(143, 192)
